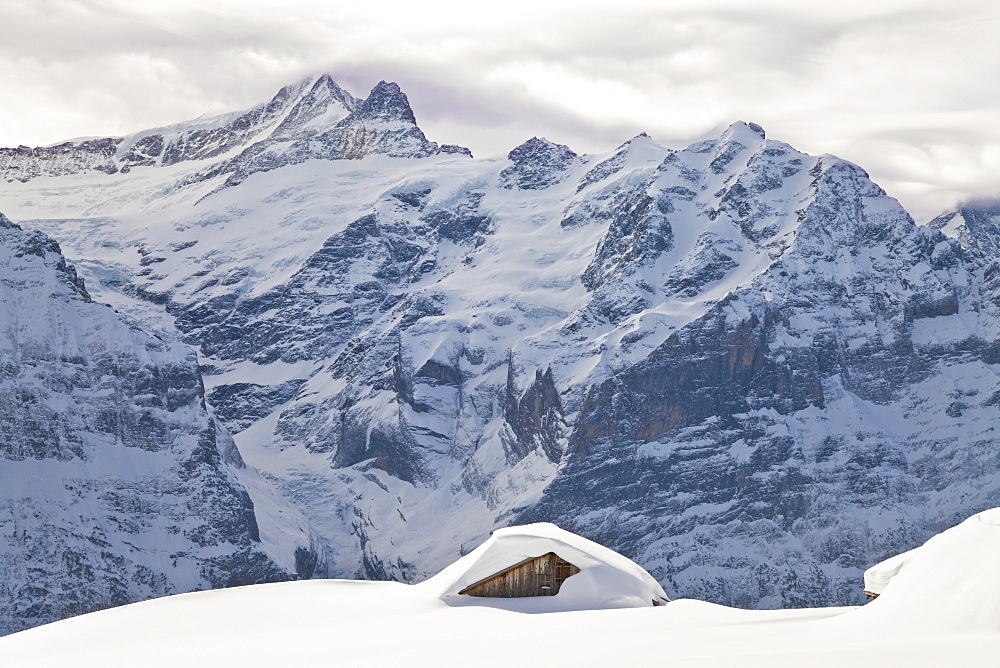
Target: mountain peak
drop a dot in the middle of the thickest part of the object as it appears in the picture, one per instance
(744, 132)
(387, 102)
(326, 82)
(538, 146)
(538, 163)
(390, 87)
(738, 139)
(640, 140)
(319, 108)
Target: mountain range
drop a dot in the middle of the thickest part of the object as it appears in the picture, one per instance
(343, 350)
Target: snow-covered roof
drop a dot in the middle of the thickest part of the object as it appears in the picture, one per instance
(878, 576)
(606, 578)
(942, 583)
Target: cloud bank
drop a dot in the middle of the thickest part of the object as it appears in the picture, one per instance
(906, 89)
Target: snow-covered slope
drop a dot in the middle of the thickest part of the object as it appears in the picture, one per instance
(116, 483)
(740, 365)
(208, 138)
(376, 623)
(948, 583)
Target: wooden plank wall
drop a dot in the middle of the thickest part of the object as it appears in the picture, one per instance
(541, 576)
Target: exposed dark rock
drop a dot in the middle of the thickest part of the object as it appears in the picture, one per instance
(536, 417)
(239, 405)
(538, 163)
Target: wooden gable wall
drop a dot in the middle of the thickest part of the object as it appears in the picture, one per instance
(538, 576)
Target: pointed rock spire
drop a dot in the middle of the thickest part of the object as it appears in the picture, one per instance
(387, 102)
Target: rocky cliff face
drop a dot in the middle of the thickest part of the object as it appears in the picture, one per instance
(809, 420)
(117, 483)
(741, 365)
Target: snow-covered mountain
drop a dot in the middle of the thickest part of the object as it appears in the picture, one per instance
(312, 118)
(116, 483)
(743, 366)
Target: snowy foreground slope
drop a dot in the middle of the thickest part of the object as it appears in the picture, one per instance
(939, 610)
(742, 366)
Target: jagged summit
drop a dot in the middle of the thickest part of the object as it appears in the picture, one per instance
(326, 82)
(535, 147)
(639, 150)
(387, 102)
(270, 135)
(640, 140)
(538, 163)
(736, 138)
(643, 142)
(381, 124)
(316, 109)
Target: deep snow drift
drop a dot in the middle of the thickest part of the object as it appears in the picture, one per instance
(950, 582)
(381, 623)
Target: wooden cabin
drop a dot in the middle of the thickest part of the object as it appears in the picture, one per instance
(535, 576)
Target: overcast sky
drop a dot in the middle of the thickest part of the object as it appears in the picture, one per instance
(907, 89)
